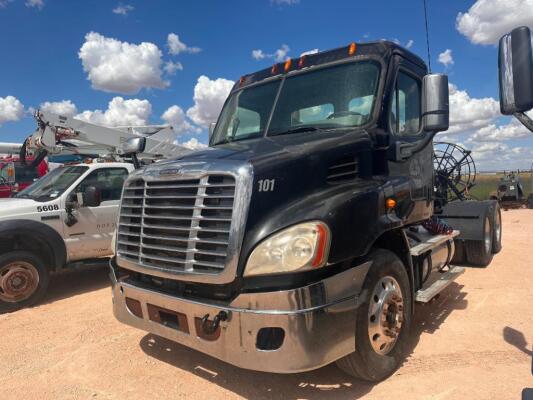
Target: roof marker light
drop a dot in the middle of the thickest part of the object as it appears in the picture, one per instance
(287, 65)
(274, 69)
(241, 81)
(352, 49)
(301, 62)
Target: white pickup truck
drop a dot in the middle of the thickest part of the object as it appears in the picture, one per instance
(67, 217)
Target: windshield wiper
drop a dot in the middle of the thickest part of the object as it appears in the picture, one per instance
(297, 129)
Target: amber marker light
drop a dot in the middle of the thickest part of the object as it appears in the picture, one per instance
(390, 204)
(274, 69)
(287, 65)
(323, 241)
(301, 62)
(352, 49)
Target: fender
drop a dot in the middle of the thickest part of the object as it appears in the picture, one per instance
(32, 230)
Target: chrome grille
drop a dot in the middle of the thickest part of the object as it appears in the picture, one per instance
(177, 225)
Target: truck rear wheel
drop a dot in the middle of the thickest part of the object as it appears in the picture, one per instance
(479, 252)
(497, 230)
(23, 280)
(383, 320)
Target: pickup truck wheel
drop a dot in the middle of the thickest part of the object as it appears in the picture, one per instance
(23, 280)
(383, 320)
(479, 252)
(497, 230)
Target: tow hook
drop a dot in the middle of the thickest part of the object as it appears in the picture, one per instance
(210, 327)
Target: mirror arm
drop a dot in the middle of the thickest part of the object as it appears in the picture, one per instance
(405, 150)
(135, 160)
(525, 120)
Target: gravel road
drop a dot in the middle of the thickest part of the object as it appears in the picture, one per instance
(473, 342)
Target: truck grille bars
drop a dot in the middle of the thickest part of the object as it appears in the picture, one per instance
(180, 225)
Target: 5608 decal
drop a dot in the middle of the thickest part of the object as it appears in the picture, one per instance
(51, 207)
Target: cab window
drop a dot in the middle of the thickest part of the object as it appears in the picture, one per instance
(405, 109)
(108, 180)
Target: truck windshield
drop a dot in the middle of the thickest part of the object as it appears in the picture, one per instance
(53, 184)
(339, 96)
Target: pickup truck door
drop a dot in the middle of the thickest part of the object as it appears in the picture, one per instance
(91, 235)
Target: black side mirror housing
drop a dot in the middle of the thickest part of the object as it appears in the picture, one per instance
(92, 197)
(515, 65)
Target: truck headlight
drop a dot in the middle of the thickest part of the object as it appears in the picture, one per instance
(300, 247)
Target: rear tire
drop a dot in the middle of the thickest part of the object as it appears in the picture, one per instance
(459, 256)
(23, 280)
(479, 252)
(377, 355)
(496, 229)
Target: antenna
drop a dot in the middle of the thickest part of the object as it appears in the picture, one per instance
(427, 35)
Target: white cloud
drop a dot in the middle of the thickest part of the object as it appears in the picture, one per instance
(38, 4)
(258, 54)
(308, 52)
(4, 3)
(120, 112)
(487, 20)
(410, 44)
(176, 46)
(498, 156)
(285, 2)
(279, 55)
(123, 9)
(446, 58)
(115, 66)
(64, 107)
(175, 116)
(194, 144)
(209, 97)
(171, 67)
(11, 109)
(467, 113)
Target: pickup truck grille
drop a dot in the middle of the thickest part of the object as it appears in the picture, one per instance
(177, 225)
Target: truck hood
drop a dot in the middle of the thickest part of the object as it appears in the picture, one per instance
(293, 145)
(19, 208)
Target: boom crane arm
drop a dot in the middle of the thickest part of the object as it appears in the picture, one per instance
(58, 134)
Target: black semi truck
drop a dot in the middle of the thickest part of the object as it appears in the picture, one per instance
(297, 239)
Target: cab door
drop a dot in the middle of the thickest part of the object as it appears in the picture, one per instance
(91, 235)
(415, 173)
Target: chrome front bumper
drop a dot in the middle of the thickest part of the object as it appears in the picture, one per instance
(318, 322)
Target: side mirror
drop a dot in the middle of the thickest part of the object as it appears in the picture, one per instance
(92, 197)
(435, 103)
(134, 145)
(515, 68)
(211, 129)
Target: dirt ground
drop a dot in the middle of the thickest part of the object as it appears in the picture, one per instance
(473, 342)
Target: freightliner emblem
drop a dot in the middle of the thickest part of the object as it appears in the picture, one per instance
(169, 171)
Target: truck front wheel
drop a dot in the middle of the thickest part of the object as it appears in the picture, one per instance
(23, 280)
(383, 320)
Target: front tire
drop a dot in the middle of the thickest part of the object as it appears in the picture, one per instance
(23, 280)
(383, 320)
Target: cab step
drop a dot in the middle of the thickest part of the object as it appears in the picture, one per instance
(430, 242)
(442, 282)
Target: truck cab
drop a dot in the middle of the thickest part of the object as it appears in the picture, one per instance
(66, 217)
(16, 175)
(295, 239)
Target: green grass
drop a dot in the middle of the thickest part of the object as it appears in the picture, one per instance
(487, 184)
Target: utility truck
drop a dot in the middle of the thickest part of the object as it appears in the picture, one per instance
(68, 217)
(297, 238)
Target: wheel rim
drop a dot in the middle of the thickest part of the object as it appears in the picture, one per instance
(497, 226)
(385, 315)
(18, 281)
(488, 236)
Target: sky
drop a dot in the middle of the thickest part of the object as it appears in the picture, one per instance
(174, 62)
